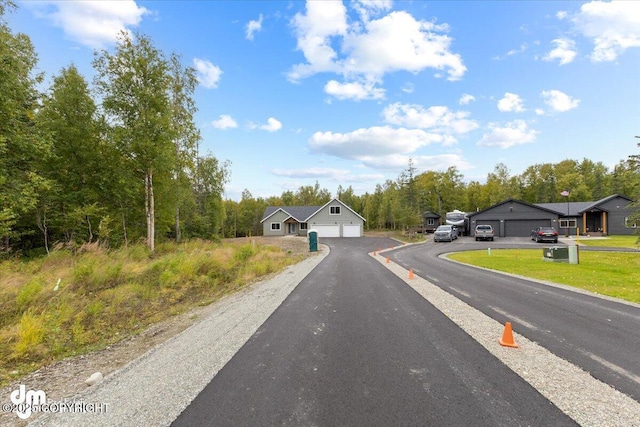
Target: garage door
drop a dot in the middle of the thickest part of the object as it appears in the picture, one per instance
(493, 223)
(523, 227)
(351, 231)
(328, 230)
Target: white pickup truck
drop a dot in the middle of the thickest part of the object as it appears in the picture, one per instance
(483, 232)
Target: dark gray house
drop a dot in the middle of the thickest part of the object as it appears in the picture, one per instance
(515, 218)
(430, 221)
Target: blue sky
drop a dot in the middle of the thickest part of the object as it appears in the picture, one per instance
(344, 92)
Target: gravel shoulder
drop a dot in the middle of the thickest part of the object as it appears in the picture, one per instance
(137, 384)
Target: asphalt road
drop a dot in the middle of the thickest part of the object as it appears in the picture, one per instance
(354, 345)
(599, 335)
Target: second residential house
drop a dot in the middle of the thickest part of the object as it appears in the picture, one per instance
(333, 219)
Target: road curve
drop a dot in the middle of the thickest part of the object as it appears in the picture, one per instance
(600, 335)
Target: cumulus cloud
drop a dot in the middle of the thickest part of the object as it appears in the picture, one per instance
(559, 101)
(509, 135)
(466, 99)
(511, 102)
(613, 27)
(92, 23)
(565, 51)
(272, 125)
(372, 142)
(208, 74)
(354, 90)
(562, 15)
(370, 48)
(224, 122)
(436, 118)
(253, 27)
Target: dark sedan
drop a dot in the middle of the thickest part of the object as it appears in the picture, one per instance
(544, 234)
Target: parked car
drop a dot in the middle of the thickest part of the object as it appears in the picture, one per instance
(544, 234)
(483, 232)
(444, 233)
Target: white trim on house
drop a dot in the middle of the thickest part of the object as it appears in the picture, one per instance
(278, 228)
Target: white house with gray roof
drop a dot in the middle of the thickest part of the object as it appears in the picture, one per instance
(333, 219)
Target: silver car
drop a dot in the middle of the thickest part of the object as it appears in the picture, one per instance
(445, 233)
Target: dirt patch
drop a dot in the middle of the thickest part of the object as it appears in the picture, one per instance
(66, 378)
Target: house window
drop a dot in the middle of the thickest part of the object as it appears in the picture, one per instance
(431, 221)
(335, 210)
(275, 226)
(630, 222)
(568, 223)
(303, 226)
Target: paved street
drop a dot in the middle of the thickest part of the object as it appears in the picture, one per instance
(353, 345)
(599, 335)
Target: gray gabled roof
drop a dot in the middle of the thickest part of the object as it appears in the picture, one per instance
(577, 208)
(302, 213)
(299, 213)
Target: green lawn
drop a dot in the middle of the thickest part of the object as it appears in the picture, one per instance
(615, 274)
(613, 242)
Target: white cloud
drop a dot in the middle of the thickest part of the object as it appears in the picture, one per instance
(91, 23)
(367, 8)
(272, 125)
(564, 51)
(407, 88)
(355, 91)
(511, 102)
(224, 122)
(466, 99)
(253, 27)
(540, 111)
(510, 135)
(613, 26)
(562, 15)
(436, 118)
(395, 162)
(559, 101)
(370, 48)
(208, 74)
(338, 175)
(369, 143)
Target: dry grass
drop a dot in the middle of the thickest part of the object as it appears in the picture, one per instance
(105, 296)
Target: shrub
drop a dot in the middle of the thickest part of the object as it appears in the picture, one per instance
(28, 293)
(30, 333)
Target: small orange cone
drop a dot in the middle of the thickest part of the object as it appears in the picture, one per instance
(374, 253)
(387, 260)
(411, 274)
(507, 337)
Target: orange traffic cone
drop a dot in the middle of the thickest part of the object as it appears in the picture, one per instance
(507, 337)
(411, 274)
(387, 260)
(374, 253)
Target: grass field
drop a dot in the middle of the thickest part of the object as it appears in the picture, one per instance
(613, 242)
(616, 274)
(65, 304)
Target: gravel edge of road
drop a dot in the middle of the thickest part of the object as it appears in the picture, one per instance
(156, 387)
(574, 391)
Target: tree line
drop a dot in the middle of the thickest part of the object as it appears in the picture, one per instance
(114, 162)
(117, 161)
(401, 203)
